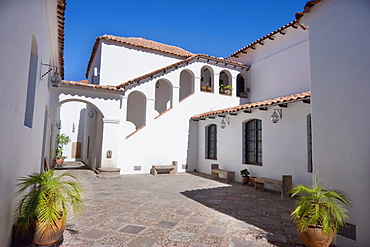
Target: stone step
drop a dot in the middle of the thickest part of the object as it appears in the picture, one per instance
(109, 172)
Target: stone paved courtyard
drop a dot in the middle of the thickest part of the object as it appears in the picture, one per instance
(187, 209)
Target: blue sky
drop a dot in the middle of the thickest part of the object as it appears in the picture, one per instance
(216, 28)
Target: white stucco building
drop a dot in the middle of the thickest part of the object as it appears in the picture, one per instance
(297, 104)
(31, 52)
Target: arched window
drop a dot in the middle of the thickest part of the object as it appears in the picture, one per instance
(206, 80)
(240, 87)
(253, 142)
(31, 85)
(211, 142)
(225, 83)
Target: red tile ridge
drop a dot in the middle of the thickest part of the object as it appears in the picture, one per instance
(307, 9)
(92, 86)
(293, 24)
(141, 43)
(61, 7)
(196, 57)
(263, 103)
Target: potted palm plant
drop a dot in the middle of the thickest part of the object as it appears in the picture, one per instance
(45, 205)
(62, 140)
(245, 176)
(318, 213)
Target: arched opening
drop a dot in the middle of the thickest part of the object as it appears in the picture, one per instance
(241, 90)
(206, 80)
(136, 109)
(163, 95)
(82, 122)
(225, 83)
(31, 85)
(186, 84)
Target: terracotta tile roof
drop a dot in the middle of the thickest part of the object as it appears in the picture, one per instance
(307, 9)
(82, 84)
(260, 41)
(197, 57)
(61, 7)
(141, 43)
(259, 104)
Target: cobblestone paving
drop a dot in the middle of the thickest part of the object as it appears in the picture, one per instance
(187, 209)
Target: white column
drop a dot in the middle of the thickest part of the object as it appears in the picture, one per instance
(216, 83)
(110, 142)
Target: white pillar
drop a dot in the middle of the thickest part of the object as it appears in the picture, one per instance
(110, 142)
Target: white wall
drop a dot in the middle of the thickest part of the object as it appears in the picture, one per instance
(21, 149)
(102, 128)
(280, 67)
(339, 51)
(284, 144)
(120, 63)
(168, 137)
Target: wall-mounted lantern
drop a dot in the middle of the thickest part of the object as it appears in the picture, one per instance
(58, 124)
(276, 115)
(224, 121)
(91, 113)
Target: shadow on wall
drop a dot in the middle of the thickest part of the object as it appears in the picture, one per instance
(265, 214)
(192, 147)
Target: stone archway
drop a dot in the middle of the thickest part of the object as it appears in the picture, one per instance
(82, 121)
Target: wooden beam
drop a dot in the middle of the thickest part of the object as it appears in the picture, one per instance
(306, 101)
(233, 113)
(247, 111)
(212, 117)
(263, 108)
(271, 37)
(253, 47)
(281, 31)
(221, 115)
(283, 105)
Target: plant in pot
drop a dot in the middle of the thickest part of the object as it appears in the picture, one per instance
(62, 140)
(228, 89)
(245, 176)
(318, 213)
(44, 204)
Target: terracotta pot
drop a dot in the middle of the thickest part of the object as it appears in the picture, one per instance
(51, 235)
(245, 180)
(59, 161)
(314, 237)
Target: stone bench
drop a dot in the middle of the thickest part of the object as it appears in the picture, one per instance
(285, 184)
(215, 171)
(109, 172)
(171, 168)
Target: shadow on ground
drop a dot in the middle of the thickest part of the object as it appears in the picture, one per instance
(261, 209)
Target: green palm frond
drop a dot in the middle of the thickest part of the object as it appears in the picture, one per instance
(46, 199)
(319, 207)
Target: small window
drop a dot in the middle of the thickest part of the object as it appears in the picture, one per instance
(211, 142)
(253, 142)
(309, 144)
(31, 85)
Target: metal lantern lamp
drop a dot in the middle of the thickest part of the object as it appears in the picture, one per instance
(276, 115)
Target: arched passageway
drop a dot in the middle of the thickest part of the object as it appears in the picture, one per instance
(163, 95)
(82, 122)
(136, 109)
(186, 84)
